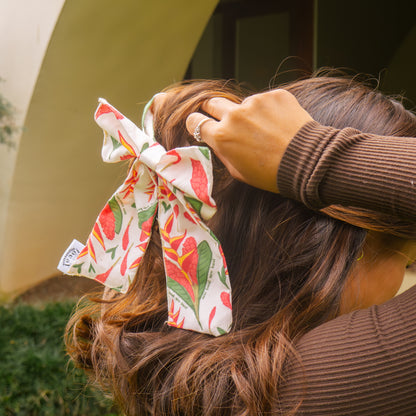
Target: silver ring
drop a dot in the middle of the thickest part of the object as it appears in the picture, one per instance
(197, 131)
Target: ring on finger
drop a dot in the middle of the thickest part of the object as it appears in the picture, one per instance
(197, 131)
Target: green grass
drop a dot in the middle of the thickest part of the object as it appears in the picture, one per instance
(35, 377)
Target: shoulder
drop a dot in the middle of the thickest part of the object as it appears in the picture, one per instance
(363, 360)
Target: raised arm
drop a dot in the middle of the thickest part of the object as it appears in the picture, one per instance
(270, 134)
(250, 138)
(324, 166)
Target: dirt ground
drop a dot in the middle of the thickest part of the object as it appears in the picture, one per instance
(59, 288)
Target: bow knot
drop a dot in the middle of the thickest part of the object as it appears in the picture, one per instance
(174, 186)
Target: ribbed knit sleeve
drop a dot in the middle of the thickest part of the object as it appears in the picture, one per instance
(363, 363)
(324, 166)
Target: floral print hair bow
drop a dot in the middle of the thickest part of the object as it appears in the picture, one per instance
(174, 187)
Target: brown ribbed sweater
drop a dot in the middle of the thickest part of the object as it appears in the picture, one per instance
(324, 166)
(363, 363)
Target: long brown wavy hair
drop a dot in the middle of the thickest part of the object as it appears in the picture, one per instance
(288, 268)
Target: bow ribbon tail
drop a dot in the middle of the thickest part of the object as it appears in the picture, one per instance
(120, 235)
(198, 288)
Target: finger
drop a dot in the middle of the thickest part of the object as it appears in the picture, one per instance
(206, 128)
(158, 101)
(218, 107)
(207, 136)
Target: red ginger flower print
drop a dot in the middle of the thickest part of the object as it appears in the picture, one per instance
(146, 219)
(176, 211)
(176, 155)
(126, 239)
(199, 182)
(111, 219)
(123, 267)
(107, 222)
(223, 259)
(211, 316)
(139, 259)
(168, 226)
(225, 298)
(105, 108)
(189, 218)
(103, 276)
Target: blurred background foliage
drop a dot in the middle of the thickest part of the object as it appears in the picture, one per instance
(7, 125)
(35, 376)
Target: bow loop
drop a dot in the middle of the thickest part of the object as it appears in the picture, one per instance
(122, 138)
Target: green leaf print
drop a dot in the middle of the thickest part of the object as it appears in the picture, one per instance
(91, 269)
(118, 215)
(112, 251)
(180, 291)
(214, 236)
(223, 277)
(78, 267)
(116, 143)
(195, 204)
(144, 147)
(204, 263)
(146, 214)
(166, 206)
(205, 151)
(221, 331)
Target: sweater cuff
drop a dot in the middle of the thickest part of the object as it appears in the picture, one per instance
(299, 161)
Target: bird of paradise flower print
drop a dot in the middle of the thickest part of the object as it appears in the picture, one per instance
(174, 316)
(187, 265)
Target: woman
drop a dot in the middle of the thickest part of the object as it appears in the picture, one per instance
(291, 270)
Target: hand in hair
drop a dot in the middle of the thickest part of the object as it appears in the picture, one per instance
(250, 138)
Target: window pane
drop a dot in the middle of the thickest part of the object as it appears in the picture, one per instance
(262, 45)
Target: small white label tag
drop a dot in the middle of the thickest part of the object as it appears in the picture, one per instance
(70, 255)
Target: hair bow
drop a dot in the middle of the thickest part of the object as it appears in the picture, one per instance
(174, 187)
